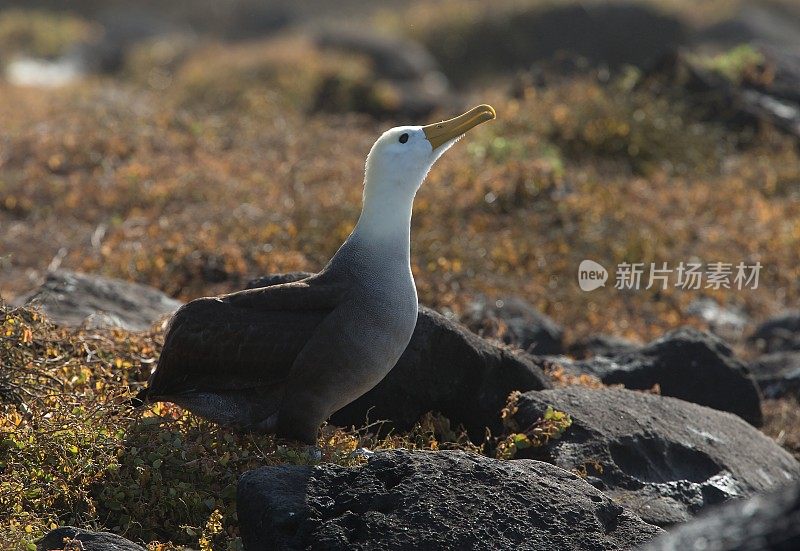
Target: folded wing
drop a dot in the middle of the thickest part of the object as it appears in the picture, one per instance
(244, 340)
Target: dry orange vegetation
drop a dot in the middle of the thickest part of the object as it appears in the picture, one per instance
(159, 189)
(782, 422)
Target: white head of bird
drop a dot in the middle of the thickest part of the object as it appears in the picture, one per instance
(397, 165)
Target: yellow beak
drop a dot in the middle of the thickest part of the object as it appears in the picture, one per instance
(442, 132)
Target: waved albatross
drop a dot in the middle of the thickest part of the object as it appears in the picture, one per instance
(284, 358)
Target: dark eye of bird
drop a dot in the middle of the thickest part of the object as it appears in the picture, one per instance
(404, 138)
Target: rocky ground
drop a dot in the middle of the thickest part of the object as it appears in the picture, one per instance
(480, 444)
(152, 155)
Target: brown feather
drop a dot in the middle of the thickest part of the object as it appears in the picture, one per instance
(243, 340)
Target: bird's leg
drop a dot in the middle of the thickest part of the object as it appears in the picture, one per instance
(297, 424)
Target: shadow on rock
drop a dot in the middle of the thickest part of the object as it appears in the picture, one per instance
(664, 458)
(767, 522)
(686, 364)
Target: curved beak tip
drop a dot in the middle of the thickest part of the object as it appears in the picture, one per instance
(442, 132)
(489, 110)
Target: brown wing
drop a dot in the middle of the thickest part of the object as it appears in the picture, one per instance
(242, 340)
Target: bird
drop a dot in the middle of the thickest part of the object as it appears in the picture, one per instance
(281, 359)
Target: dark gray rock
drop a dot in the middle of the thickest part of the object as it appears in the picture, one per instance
(401, 65)
(778, 334)
(767, 93)
(604, 34)
(89, 541)
(124, 27)
(607, 346)
(767, 522)
(755, 22)
(777, 374)
(393, 58)
(431, 500)
(726, 321)
(73, 299)
(445, 368)
(517, 323)
(686, 364)
(664, 458)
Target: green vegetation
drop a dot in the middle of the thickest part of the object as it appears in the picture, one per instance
(736, 64)
(550, 426)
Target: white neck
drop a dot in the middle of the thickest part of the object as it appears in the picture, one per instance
(385, 218)
(382, 235)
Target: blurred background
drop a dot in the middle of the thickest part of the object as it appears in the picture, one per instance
(194, 145)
